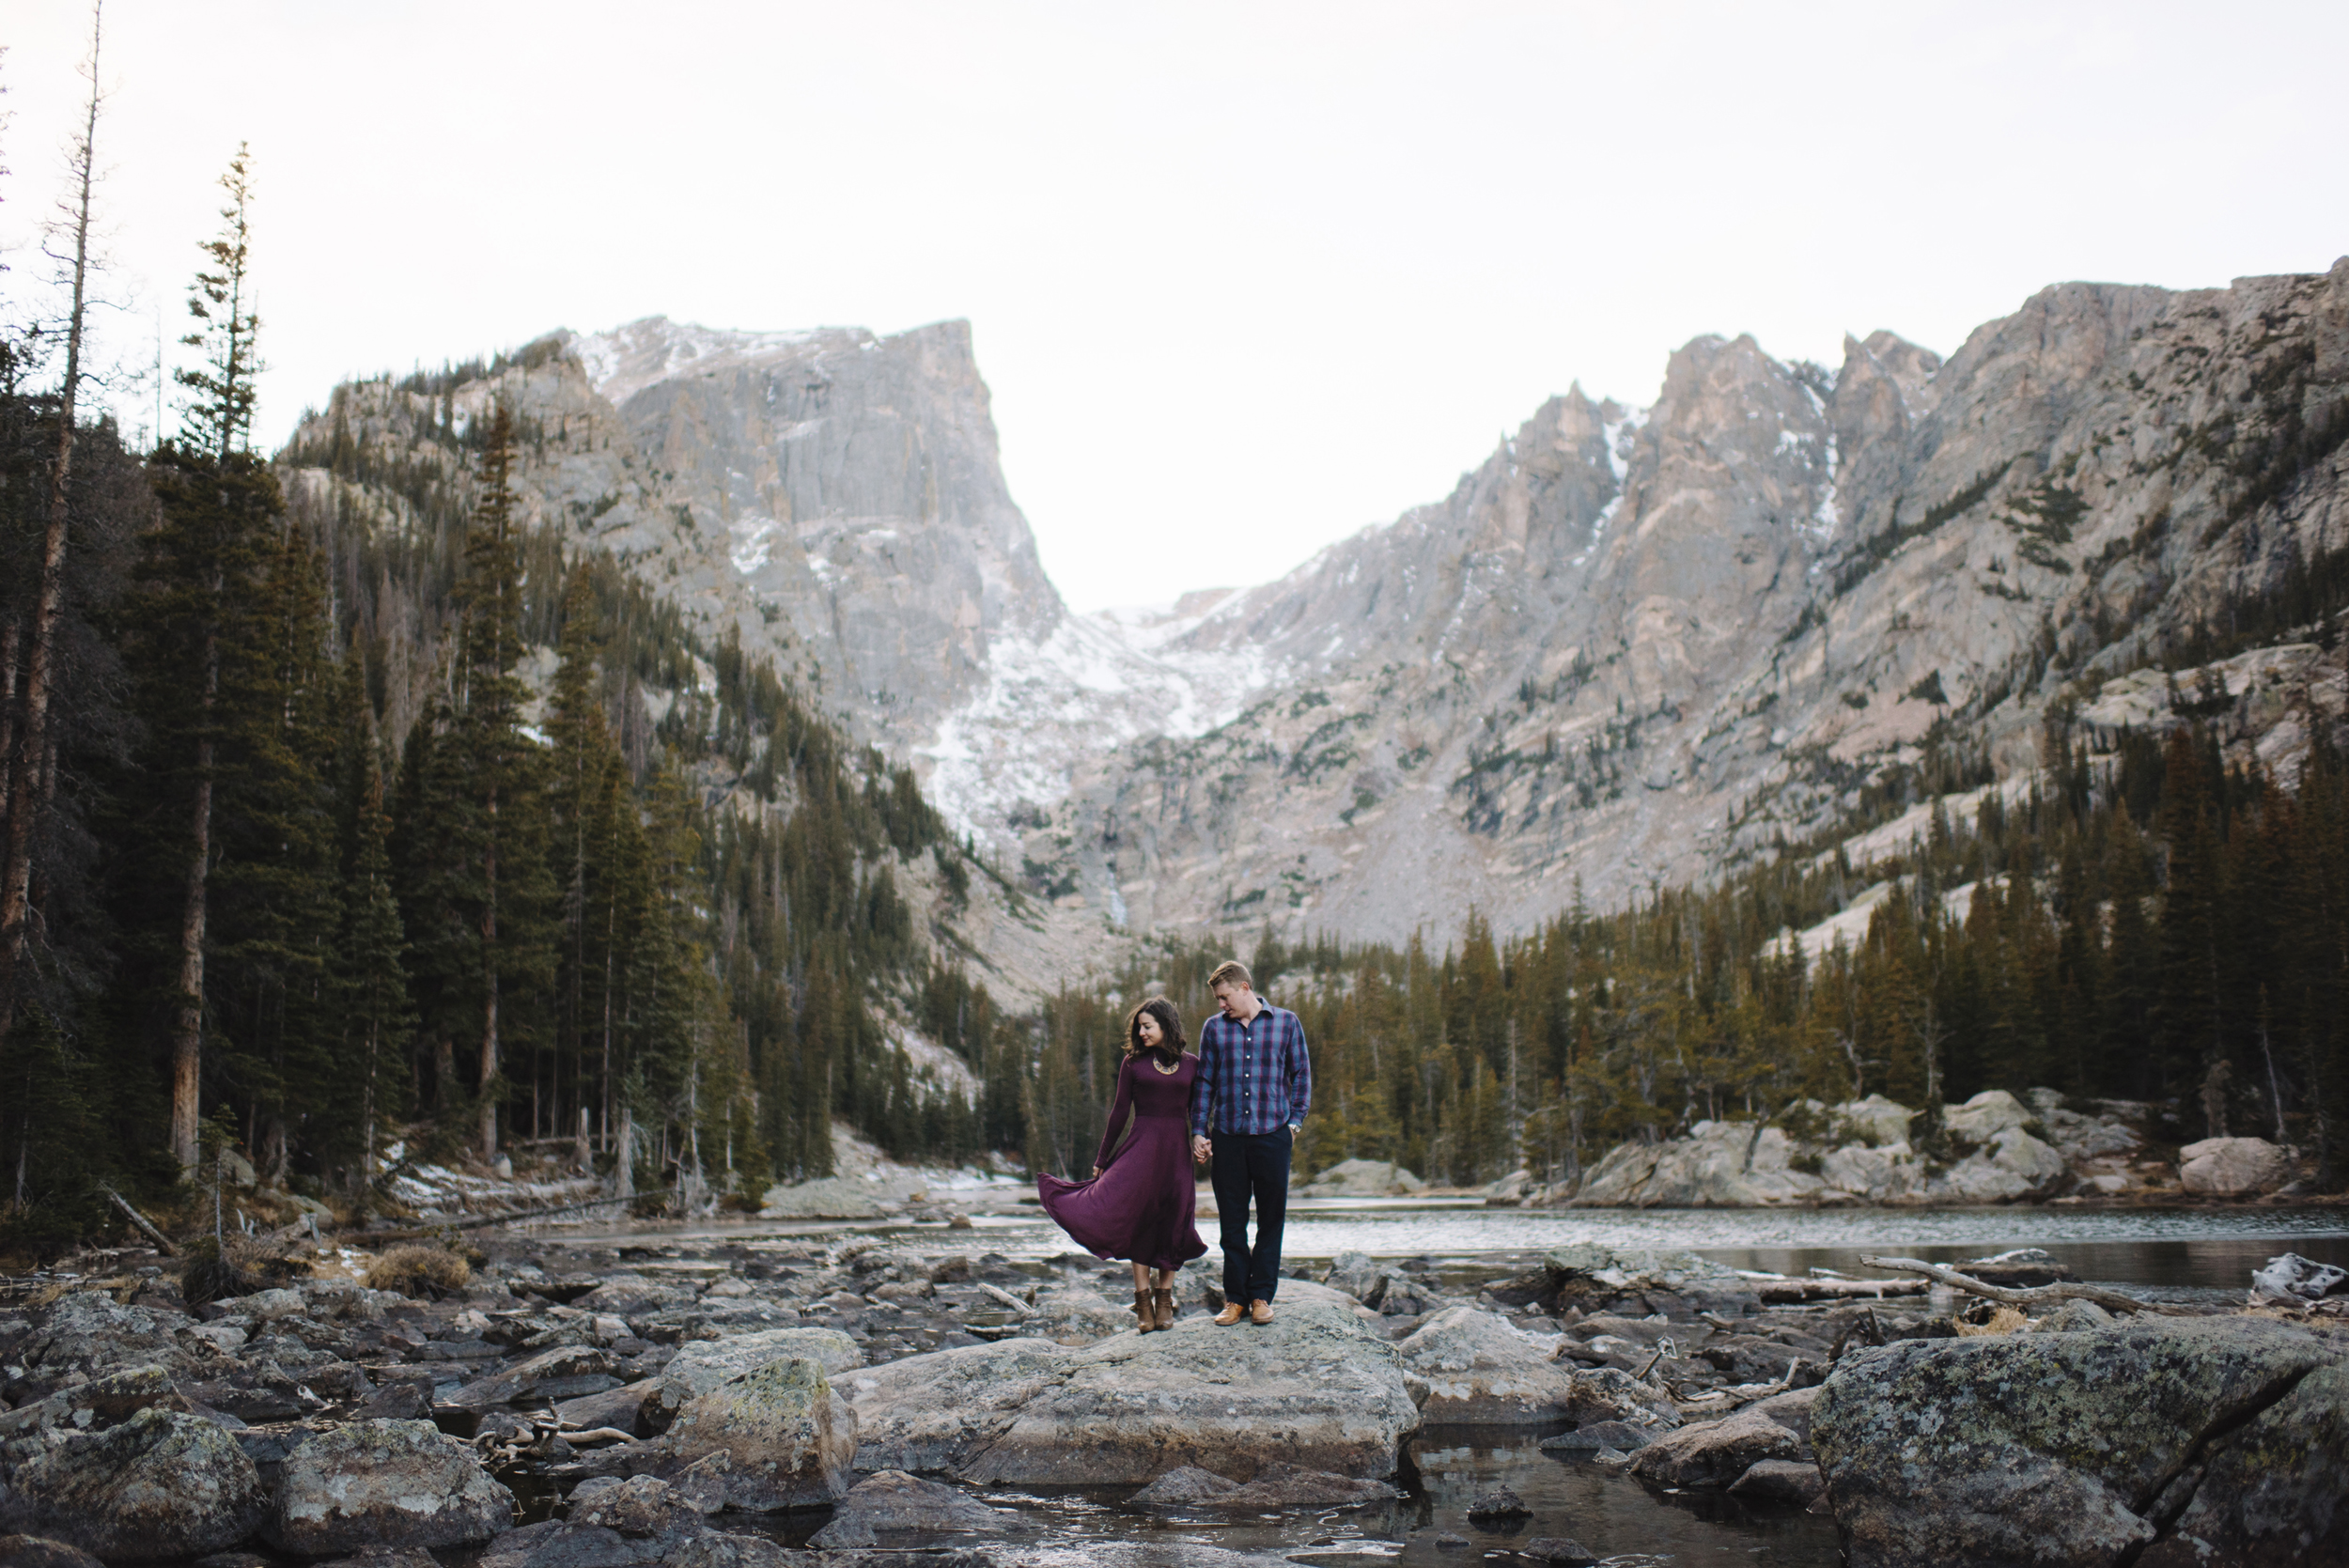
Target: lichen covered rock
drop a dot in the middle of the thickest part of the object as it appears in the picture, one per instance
(2215, 1441)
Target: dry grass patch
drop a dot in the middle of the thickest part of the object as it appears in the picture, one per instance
(420, 1271)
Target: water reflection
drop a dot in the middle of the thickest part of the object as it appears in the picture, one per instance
(1445, 1470)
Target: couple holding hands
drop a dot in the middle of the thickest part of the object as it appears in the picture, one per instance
(1239, 1100)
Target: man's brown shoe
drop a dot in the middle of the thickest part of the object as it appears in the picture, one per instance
(1260, 1312)
(1230, 1314)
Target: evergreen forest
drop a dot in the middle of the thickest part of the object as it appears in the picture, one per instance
(304, 870)
(2145, 923)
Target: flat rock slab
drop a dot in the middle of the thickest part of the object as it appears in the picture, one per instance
(2211, 1442)
(1313, 1389)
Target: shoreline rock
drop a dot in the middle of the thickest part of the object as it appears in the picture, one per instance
(2214, 1441)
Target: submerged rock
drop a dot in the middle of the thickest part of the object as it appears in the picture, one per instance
(1183, 1486)
(893, 1500)
(1619, 1435)
(2211, 1442)
(385, 1484)
(161, 1485)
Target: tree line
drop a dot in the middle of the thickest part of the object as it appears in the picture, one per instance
(2147, 922)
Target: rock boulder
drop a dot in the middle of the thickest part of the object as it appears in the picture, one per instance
(2215, 1441)
(1363, 1178)
(2232, 1167)
(161, 1485)
(385, 1484)
(1714, 1454)
(777, 1436)
(703, 1364)
(1483, 1369)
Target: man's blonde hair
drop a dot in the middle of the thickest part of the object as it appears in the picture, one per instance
(1231, 972)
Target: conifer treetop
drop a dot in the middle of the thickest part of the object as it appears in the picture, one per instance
(220, 411)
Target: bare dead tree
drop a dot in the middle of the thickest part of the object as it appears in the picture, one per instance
(30, 777)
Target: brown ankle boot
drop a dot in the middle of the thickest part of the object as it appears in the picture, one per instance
(1143, 1311)
(1163, 1308)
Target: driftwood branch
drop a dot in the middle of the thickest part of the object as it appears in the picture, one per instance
(1005, 1300)
(2036, 1296)
(1779, 1292)
(141, 1221)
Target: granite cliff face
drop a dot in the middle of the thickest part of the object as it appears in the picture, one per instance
(832, 494)
(1648, 644)
(1632, 644)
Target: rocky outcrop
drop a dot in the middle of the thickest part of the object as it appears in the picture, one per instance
(2210, 1441)
(1314, 1388)
(160, 1485)
(774, 1438)
(384, 1483)
(1993, 1149)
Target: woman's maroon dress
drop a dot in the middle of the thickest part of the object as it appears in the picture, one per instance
(1140, 1205)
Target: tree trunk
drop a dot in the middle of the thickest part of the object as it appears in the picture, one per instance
(29, 763)
(489, 992)
(187, 1033)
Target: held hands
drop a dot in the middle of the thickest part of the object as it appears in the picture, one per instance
(1201, 1149)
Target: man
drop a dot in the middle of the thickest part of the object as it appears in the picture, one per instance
(1254, 1086)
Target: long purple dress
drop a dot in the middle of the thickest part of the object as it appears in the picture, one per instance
(1140, 1206)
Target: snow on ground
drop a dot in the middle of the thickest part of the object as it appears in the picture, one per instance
(440, 1192)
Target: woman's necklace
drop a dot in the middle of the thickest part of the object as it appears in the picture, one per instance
(1167, 1072)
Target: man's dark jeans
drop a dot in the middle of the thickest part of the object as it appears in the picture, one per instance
(1249, 1168)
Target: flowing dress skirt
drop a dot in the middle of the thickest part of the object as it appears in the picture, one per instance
(1139, 1207)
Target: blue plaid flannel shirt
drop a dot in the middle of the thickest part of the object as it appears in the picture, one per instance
(1252, 1077)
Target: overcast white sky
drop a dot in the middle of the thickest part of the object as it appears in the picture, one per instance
(1243, 278)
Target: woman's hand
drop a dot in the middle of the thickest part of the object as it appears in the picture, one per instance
(1096, 1174)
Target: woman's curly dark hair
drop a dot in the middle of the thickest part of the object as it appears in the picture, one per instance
(1171, 1041)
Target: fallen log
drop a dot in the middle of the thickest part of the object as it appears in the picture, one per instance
(2036, 1295)
(140, 1220)
(1781, 1292)
(480, 1221)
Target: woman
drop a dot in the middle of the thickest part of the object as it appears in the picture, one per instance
(1138, 1205)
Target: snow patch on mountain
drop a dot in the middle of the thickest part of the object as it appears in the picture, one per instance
(1093, 684)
